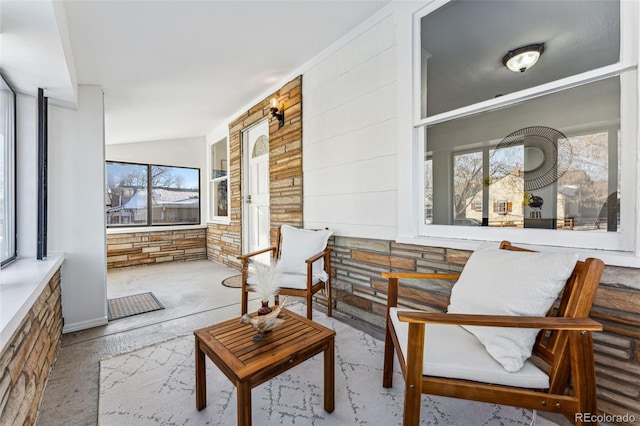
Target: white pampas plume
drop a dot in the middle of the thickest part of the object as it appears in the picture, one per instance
(267, 279)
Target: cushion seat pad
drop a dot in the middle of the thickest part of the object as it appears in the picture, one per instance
(451, 351)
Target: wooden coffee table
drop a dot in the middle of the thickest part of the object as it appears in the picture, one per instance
(247, 364)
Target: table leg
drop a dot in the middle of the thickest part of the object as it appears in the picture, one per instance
(329, 377)
(244, 404)
(201, 378)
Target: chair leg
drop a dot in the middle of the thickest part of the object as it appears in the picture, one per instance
(276, 300)
(387, 369)
(245, 301)
(583, 374)
(329, 303)
(413, 380)
(309, 305)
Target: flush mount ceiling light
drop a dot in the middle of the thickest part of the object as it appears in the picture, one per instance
(523, 58)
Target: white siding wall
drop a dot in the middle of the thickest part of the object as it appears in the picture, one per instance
(349, 138)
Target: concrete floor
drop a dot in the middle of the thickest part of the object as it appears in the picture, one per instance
(193, 297)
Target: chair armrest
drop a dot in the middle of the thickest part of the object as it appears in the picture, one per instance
(318, 256)
(245, 257)
(546, 323)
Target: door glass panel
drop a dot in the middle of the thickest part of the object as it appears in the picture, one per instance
(261, 147)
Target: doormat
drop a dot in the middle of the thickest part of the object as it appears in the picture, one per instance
(234, 281)
(127, 306)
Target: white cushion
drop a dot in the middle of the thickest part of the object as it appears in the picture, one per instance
(297, 281)
(504, 282)
(451, 351)
(300, 244)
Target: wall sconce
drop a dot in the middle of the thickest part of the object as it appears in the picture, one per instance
(523, 58)
(275, 113)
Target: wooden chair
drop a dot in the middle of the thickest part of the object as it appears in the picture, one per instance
(293, 284)
(563, 349)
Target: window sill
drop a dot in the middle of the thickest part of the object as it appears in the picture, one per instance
(132, 229)
(21, 284)
(219, 221)
(609, 257)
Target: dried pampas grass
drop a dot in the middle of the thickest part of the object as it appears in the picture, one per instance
(267, 279)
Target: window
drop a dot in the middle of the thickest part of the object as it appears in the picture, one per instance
(470, 103)
(172, 192)
(502, 207)
(219, 180)
(7, 173)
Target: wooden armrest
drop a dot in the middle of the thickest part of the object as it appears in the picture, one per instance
(249, 255)
(318, 256)
(424, 275)
(546, 323)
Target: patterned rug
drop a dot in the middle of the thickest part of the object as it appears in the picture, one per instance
(155, 385)
(234, 281)
(127, 306)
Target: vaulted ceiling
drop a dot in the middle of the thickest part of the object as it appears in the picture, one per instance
(169, 69)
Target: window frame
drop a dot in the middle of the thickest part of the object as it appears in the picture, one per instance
(149, 214)
(11, 189)
(417, 232)
(213, 181)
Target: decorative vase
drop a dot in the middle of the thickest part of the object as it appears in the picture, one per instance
(264, 309)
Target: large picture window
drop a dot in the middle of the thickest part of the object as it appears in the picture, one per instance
(172, 192)
(575, 174)
(7, 173)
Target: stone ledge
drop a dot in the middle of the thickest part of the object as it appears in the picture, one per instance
(21, 284)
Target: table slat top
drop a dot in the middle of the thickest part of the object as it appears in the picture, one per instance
(233, 342)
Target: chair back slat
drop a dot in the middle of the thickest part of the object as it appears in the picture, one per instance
(575, 302)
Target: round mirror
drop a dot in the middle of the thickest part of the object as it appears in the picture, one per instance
(533, 158)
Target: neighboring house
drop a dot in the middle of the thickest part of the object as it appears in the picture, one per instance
(170, 205)
(508, 205)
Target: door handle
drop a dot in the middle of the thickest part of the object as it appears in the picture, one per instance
(249, 199)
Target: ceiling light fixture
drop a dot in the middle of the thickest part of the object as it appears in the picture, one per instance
(274, 112)
(523, 58)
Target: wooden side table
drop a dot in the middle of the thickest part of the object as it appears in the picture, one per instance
(248, 364)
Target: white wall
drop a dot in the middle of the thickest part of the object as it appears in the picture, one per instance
(186, 152)
(76, 207)
(349, 138)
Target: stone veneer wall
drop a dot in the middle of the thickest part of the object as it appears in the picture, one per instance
(224, 242)
(26, 361)
(151, 247)
(361, 294)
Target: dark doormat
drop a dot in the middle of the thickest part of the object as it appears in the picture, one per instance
(234, 281)
(127, 306)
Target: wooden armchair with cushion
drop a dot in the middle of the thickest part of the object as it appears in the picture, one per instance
(481, 348)
(305, 263)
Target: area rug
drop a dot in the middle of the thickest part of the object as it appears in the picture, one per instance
(234, 281)
(155, 385)
(122, 307)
